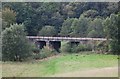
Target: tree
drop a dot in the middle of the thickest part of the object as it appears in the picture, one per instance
(75, 28)
(90, 13)
(96, 28)
(118, 25)
(56, 21)
(15, 45)
(112, 7)
(79, 26)
(66, 27)
(92, 34)
(8, 17)
(47, 31)
(83, 26)
(111, 29)
(107, 25)
(37, 15)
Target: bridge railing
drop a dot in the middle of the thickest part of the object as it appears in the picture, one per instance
(64, 38)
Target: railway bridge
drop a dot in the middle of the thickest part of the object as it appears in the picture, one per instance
(55, 42)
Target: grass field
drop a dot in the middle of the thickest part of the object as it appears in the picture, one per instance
(58, 64)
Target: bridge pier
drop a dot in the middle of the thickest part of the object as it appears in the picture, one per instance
(56, 45)
(49, 44)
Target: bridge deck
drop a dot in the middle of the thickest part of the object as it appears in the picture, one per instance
(41, 38)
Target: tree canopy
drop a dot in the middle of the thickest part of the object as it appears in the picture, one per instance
(15, 45)
(37, 15)
(47, 31)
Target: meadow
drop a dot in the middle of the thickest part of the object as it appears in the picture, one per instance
(60, 64)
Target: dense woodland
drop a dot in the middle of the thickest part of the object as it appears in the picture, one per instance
(73, 19)
(65, 18)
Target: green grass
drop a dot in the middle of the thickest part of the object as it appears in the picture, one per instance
(59, 64)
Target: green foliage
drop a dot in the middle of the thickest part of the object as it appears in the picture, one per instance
(8, 17)
(79, 27)
(102, 46)
(118, 25)
(37, 15)
(46, 52)
(75, 27)
(83, 47)
(36, 56)
(96, 28)
(34, 48)
(114, 46)
(111, 29)
(66, 47)
(92, 33)
(114, 26)
(66, 27)
(15, 45)
(90, 13)
(47, 31)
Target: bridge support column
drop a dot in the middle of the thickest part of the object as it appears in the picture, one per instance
(93, 45)
(48, 44)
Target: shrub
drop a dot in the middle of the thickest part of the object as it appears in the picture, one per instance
(34, 48)
(46, 52)
(102, 46)
(15, 45)
(76, 48)
(66, 48)
(114, 47)
(82, 47)
(36, 55)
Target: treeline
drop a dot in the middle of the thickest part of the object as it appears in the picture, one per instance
(36, 16)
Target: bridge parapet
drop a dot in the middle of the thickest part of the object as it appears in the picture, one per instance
(41, 38)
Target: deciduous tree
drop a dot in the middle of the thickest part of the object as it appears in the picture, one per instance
(15, 45)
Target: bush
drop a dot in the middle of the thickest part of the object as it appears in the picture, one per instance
(44, 53)
(83, 47)
(34, 48)
(76, 48)
(15, 45)
(66, 48)
(115, 47)
(102, 47)
(36, 55)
